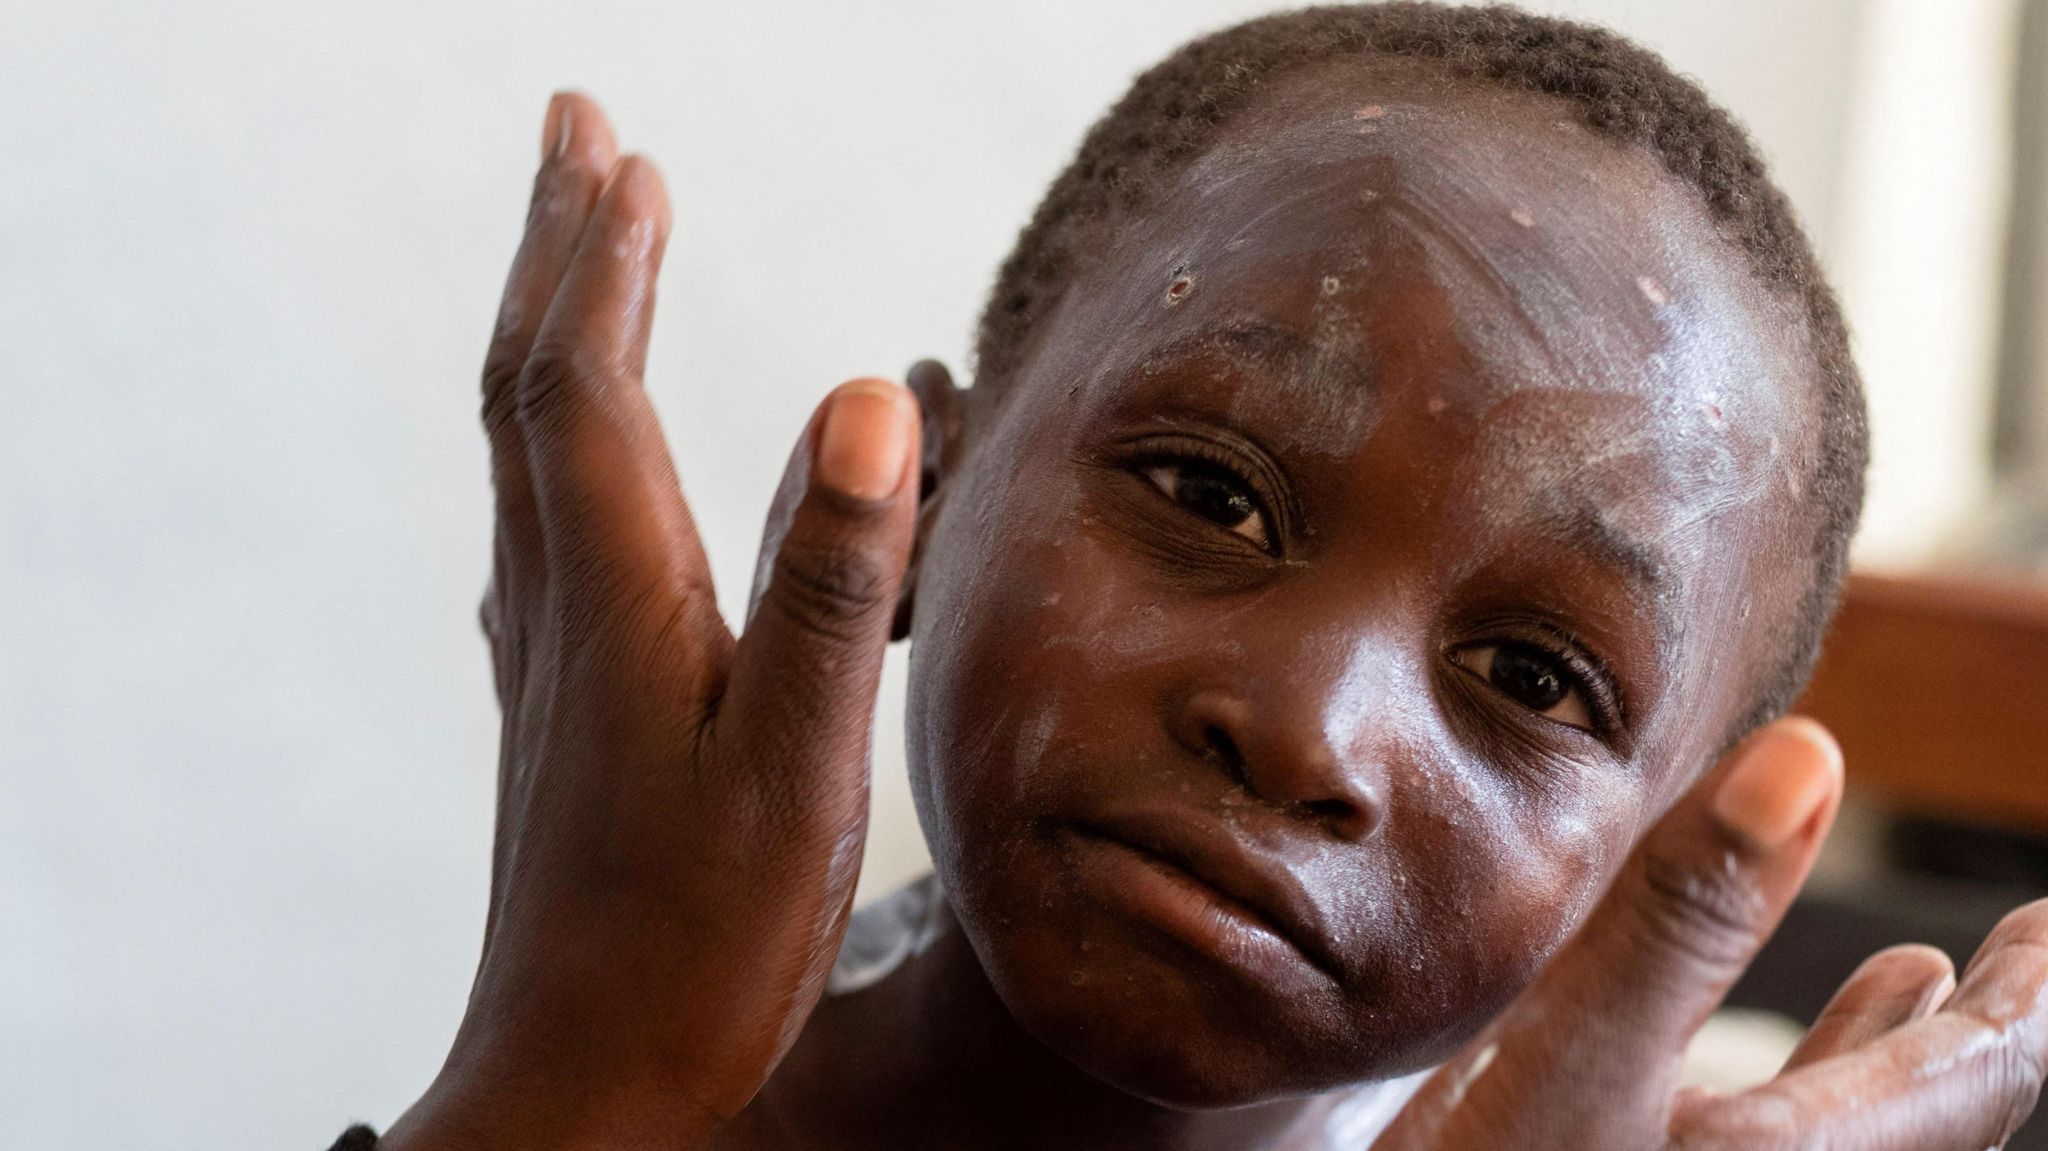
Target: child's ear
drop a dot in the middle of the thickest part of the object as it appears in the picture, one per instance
(945, 433)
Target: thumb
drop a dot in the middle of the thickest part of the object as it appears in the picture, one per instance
(1598, 1036)
(802, 688)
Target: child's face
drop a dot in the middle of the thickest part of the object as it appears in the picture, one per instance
(1387, 526)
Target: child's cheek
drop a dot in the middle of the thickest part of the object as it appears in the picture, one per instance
(1486, 873)
(1532, 861)
(1021, 646)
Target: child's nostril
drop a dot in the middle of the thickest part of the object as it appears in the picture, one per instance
(1330, 809)
(1222, 746)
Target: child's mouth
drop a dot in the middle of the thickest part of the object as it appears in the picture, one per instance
(1190, 879)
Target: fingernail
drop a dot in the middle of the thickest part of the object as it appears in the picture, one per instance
(1787, 773)
(867, 431)
(554, 135)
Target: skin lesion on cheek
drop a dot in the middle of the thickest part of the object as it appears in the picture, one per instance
(1179, 288)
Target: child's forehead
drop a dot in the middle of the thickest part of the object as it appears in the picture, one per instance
(1557, 314)
(1560, 254)
(1472, 244)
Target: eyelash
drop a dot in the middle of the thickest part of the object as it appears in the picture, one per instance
(1588, 675)
(1181, 451)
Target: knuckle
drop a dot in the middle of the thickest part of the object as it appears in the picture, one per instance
(552, 377)
(836, 590)
(2019, 1073)
(2006, 1071)
(500, 387)
(1708, 915)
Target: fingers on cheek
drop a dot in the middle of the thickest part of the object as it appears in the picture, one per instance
(1704, 907)
(1710, 879)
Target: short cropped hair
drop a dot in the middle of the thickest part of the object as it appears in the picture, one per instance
(1622, 91)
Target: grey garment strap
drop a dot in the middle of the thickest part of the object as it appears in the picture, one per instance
(885, 933)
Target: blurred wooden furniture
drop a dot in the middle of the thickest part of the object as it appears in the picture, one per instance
(1937, 687)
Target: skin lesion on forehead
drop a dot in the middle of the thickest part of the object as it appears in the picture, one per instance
(1540, 224)
(1576, 264)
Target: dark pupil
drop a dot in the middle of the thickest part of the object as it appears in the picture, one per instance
(1528, 676)
(1213, 495)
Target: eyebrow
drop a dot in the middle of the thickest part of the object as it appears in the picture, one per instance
(1269, 349)
(1579, 521)
(1584, 525)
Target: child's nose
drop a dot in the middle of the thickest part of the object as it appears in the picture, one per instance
(1277, 747)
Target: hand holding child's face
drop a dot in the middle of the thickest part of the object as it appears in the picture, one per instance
(1387, 527)
(1349, 581)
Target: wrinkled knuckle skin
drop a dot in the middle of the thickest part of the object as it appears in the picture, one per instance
(834, 591)
(500, 389)
(550, 379)
(2017, 1078)
(1708, 916)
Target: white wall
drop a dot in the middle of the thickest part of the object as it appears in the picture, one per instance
(248, 258)
(1919, 257)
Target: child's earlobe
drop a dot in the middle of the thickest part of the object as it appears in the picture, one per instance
(906, 592)
(945, 419)
(931, 495)
(940, 402)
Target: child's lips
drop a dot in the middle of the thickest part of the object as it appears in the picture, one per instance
(1189, 876)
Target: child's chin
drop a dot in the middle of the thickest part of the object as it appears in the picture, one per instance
(1162, 1032)
(1195, 1070)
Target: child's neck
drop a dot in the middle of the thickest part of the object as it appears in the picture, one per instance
(929, 1057)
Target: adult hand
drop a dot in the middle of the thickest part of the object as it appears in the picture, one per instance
(1587, 1059)
(680, 814)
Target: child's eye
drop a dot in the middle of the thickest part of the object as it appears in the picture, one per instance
(1532, 677)
(1216, 494)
